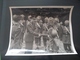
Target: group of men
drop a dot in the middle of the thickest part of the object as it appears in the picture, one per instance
(37, 33)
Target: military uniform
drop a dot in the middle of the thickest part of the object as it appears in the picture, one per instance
(45, 31)
(66, 39)
(29, 35)
(38, 39)
(17, 35)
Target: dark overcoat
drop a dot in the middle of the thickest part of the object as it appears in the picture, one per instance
(66, 35)
(29, 36)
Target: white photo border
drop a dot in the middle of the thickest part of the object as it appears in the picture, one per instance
(70, 24)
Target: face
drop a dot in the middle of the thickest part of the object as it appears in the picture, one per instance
(66, 22)
(21, 21)
(17, 18)
(56, 20)
(14, 17)
(38, 17)
(21, 17)
(33, 20)
(29, 18)
(61, 23)
(46, 19)
(51, 19)
(40, 22)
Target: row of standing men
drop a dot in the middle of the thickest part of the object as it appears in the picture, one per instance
(37, 33)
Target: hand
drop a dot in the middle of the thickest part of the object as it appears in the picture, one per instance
(44, 34)
(39, 35)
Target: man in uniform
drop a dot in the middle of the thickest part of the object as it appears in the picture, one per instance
(17, 32)
(30, 33)
(39, 29)
(45, 31)
(66, 37)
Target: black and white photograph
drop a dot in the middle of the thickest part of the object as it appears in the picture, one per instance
(40, 30)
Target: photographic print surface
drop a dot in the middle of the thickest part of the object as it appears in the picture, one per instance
(41, 30)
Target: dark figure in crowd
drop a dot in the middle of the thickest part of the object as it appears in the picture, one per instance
(30, 32)
(60, 31)
(39, 29)
(59, 27)
(66, 37)
(45, 31)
